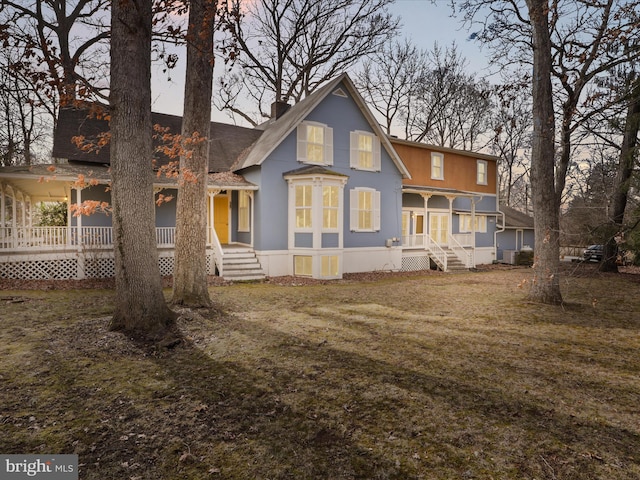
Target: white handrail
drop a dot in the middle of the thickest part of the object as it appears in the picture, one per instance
(463, 254)
(436, 250)
(218, 254)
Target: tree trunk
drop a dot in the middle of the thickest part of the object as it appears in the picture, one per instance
(623, 176)
(140, 305)
(545, 287)
(190, 268)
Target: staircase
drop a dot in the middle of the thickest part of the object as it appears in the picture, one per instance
(454, 264)
(240, 264)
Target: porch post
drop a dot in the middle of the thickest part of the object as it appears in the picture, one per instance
(14, 211)
(79, 217)
(80, 271)
(3, 230)
(451, 198)
(473, 232)
(426, 228)
(251, 215)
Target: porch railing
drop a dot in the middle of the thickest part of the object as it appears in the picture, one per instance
(417, 240)
(52, 238)
(436, 251)
(463, 254)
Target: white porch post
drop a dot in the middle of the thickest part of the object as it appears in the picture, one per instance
(80, 272)
(473, 232)
(79, 217)
(451, 198)
(14, 210)
(251, 215)
(3, 206)
(426, 227)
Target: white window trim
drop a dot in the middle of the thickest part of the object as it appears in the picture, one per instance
(355, 209)
(354, 158)
(317, 182)
(465, 218)
(486, 172)
(245, 228)
(441, 157)
(302, 143)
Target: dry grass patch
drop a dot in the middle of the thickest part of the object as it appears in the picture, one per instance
(426, 376)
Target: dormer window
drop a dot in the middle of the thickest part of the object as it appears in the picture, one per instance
(315, 143)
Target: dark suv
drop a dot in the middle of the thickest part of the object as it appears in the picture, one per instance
(593, 253)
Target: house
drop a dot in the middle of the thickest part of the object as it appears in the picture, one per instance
(314, 191)
(516, 234)
(318, 190)
(449, 206)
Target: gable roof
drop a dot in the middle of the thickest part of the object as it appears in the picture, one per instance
(227, 142)
(437, 148)
(275, 131)
(515, 219)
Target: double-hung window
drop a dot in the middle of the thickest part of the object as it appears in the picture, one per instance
(303, 207)
(481, 172)
(365, 151)
(480, 223)
(315, 143)
(437, 166)
(365, 210)
(330, 206)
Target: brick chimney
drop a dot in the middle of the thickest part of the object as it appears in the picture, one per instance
(278, 109)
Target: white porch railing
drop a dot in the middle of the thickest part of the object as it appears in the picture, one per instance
(54, 238)
(464, 239)
(436, 251)
(417, 240)
(466, 256)
(218, 254)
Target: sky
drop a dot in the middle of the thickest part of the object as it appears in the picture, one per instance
(423, 21)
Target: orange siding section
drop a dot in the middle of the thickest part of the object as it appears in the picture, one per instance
(459, 170)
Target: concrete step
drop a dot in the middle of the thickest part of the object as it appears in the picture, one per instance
(241, 264)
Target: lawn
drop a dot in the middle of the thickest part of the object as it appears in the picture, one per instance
(434, 376)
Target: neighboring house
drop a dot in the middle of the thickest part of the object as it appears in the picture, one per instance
(449, 206)
(318, 190)
(516, 234)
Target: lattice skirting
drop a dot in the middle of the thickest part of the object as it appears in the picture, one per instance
(414, 263)
(69, 266)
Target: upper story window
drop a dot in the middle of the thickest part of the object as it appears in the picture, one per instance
(365, 151)
(481, 172)
(365, 210)
(437, 166)
(315, 143)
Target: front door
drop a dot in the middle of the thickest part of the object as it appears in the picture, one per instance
(439, 227)
(221, 217)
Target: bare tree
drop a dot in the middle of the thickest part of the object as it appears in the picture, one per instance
(389, 79)
(190, 269)
(546, 286)
(582, 40)
(140, 305)
(448, 106)
(64, 43)
(511, 142)
(290, 47)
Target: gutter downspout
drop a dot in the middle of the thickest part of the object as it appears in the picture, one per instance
(495, 235)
